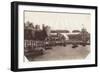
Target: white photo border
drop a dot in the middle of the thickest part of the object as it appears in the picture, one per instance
(55, 63)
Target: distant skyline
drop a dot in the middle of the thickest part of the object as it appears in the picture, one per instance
(59, 21)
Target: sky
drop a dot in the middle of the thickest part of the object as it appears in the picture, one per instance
(61, 21)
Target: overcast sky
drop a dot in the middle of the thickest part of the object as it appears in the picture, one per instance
(61, 21)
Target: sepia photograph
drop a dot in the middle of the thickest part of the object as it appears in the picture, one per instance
(52, 36)
(56, 35)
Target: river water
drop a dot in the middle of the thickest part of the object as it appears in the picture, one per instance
(64, 53)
